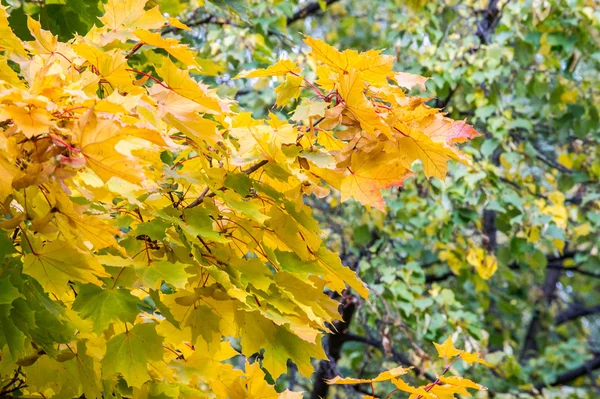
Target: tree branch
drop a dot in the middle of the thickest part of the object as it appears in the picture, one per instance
(433, 278)
(573, 374)
(332, 344)
(206, 194)
(530, 346)
(396, 356)
(308, 10)
(575, 311)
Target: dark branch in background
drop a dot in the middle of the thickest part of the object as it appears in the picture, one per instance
(487, 25)
(434, 278)
(573, 374)
(211, 19)
(530, 347)
(396, 356)
(309, 9)
(332, 344)
(575, 311)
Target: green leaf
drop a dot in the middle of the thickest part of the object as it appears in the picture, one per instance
(239, 182)
(105, 306)
(8, 292)
(156, 272)
(155, 229)
(10, 334)
(162, 308)
(128, 354)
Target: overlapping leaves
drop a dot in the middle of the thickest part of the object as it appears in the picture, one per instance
(160, 231)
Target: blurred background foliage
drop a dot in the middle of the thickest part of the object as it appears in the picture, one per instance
(503, 255)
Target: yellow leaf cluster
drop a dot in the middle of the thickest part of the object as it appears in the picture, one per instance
(372, 128)
(126, 181)
(442, 388)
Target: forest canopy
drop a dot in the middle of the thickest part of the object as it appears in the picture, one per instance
(287, 199)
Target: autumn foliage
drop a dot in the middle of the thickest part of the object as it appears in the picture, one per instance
(160, 231)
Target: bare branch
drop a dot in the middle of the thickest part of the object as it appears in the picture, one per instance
(575, 311)
(573, 374)
(308, 10)
(397, 356)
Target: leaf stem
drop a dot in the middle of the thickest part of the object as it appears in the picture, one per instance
(149, 76)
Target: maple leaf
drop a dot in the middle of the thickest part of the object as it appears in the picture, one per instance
(409, 80)
(156, 272)
(75, 225)
(460, 382)
(279, 345)
(332, 57)
(104, 306)
(433, 154)
(56, 263)
(308, 109)
(440, 128)
(282, 67)
(374, 67)
(97, 140)
(130, 15)
(46, 42)
(447, 349)
(8, 292)
(352, 91)
(8, 171)
(369, 174)
(8, 39)
(384, 376)
(32, 119)
(181, 83)
(339, 274)
(172, 46)
(289, 89)
(8, 75)
(416, 391)
(128, 354)
(112, 66)
(471, 358)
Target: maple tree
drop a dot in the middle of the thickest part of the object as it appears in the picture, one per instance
(152, 230)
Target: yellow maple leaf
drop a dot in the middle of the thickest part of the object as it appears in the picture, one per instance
(8, 171)
(45, 42)
(289, 89)
(178, 24)
(172, 46)
(369, 174)
(282, 67)
(416, 391)
(374, 67)
(351, 88)
(460, 382)
(447, 349)
(8, 40)
(89, 228)
(433, 154)
(129, 15)
(56, 263)
(409, 80)
(111, 66)
(31, 119)
(181, 83)
(384, 376)
(98, 139)
(471, 358)
(330, 56)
